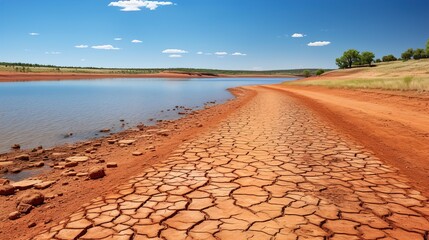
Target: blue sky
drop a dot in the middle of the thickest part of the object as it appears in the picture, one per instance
(221, 34)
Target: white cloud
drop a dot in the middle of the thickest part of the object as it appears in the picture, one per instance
(239, 54)
(175, 56)
(117, 39)
(174, 51)
(105, 47)
(200, 53)
(81, 46)
(34, 34)
(221, 53)
(136, 41)
(136, 5)
(298, 35)
(318, 44)
(53, 53)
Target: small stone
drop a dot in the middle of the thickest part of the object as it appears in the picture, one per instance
(43, 185)
(16, 146)
(137, 153)
(81, 174)
(97, 145)
(23, 157)
(25, 184)
(71, 164)
(31, 224)
(39, 164)
(69, 173)
(4, 181)
(32, 198)
(127, 142)
(112, 141)
(199, 125)
(105, 130)
(77, 159)
(24, 208)
(6, 190)
(111, 165)
(14, 215)
(96, 172)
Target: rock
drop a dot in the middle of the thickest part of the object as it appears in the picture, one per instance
(6, 163)
(16, 146)
(163, 132)
(23, 157)
(97, 145)
(39, 164)
(126, 142)
(77, 159)
(105, 130)
(111, 165)
(24, 208)
(43, 185)
(16, 170)
(69, 173)
(82, 174)
(199, 125)
(4, 181)
(96, 172)
(71, 164)
(112, 141)
(137, 153)
(31, 224)
(32, 198)
(14, 215)
(6, 190)
(58, 154)
(25, 184)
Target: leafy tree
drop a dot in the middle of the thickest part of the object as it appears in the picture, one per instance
(320, 72)
(307, 73)
(378, 60)
(427, 48)
(341, 62)
(419, 53)
(351, 56)
(389, 58)
(407, 54)
(367, 57)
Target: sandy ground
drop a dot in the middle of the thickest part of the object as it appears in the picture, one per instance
(273, 169)
(279, 161)
(393, 124)
(22, 77)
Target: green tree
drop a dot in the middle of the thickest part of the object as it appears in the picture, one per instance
(320, 72)
(307, 73)
(341, 62)
(419, 54)
(351, 56)
(378, 60)
(407, 54)
(389, 58)
(427, 49)
(367, 57)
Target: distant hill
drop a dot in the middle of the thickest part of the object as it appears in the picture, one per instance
(39, 68)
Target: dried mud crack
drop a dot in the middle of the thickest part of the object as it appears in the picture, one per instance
(271, 170)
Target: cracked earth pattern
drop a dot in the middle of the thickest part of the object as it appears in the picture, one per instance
(272, 170)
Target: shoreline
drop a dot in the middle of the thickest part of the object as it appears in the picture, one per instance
(30, 77)
(69, 192)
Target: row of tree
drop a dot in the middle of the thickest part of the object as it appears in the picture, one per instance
(354, 57)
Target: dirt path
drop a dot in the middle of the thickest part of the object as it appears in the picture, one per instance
(271, 170)
(394, 125)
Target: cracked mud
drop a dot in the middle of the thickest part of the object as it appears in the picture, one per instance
(272, 170)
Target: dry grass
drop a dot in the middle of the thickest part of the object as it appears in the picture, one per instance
(410, 75)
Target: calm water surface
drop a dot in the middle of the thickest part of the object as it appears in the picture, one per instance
(41, 113)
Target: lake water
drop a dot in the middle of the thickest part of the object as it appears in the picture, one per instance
(41, 113)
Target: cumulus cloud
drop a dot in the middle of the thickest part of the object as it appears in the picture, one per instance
(81, 46)
(52, 53)
(239, 54)
(175, 56)
(136, 41)
(174, 51)
(221, 53)
(34, 34)
(105, 47)
(117, 39)
(200, 53)
(318, 44)
(297, 35)
(136, 5)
